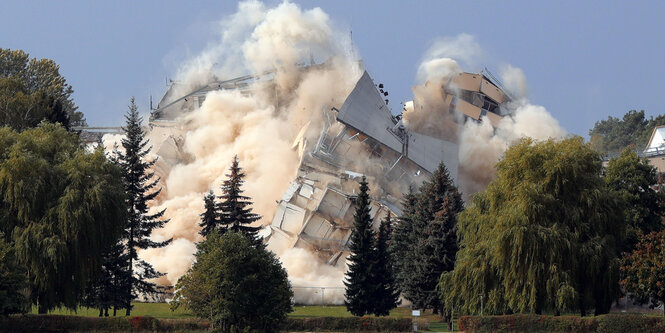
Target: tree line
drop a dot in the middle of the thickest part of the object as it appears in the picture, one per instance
(72, 220)
(555, 231)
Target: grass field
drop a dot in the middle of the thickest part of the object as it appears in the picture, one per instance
(162, 310)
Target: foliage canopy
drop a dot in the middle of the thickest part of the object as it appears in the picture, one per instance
(60, 207)
(236, 284)
(542, 236)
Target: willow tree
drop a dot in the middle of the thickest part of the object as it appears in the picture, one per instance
(62, 207)
(543, 235)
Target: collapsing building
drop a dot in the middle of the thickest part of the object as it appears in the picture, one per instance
(360, 137)
(363, 137)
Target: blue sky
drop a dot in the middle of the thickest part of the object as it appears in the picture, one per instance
(583, 60)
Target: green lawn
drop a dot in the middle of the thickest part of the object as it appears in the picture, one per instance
(162, 310)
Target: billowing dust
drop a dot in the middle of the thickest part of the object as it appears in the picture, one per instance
(262, 126)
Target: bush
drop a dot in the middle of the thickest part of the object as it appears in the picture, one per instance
(59, 323)
(538, 323)
(630, 323)
(349, 324)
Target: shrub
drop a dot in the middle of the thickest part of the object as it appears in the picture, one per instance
(349, 324)
(538, 323)
(635, 323)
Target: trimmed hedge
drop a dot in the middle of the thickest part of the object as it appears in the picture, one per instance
(609, 323)
(349, 324)
(60, 323)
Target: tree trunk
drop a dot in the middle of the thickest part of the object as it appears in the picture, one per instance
(106, 312)
(101, 311)
(41, 309)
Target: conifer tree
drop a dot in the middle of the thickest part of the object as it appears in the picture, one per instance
(386, 295)
(235, 213)
(359, 282)
(402, 243)
(432, 238)
(140, 186)
(110, 288)
(209, 218)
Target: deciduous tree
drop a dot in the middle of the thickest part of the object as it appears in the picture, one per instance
(236, 284)
(12, 281)
(544, 235)
(41, 76)
(61, 205)
(644, 270)
(632, 178)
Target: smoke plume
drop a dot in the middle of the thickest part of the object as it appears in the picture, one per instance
(269, 125)
(260, 126)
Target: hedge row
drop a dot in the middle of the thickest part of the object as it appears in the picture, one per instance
(609, 323)
(349, 324)
(59, 323)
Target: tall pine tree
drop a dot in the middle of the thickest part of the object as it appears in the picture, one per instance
(209, 218)
(386, 295)
(359, 283)
(433, 239)
(140, 186)
(402, 245)
(235, 213)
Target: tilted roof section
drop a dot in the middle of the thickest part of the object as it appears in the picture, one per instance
(366, 111)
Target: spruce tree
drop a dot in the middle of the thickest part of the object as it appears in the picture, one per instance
(140, 186)
(402, 246)
(360, 287)
(235, 213)
(432, 237)
(209, 218)
(386, 295)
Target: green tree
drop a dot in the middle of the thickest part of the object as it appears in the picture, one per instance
(61, 205)
(644, 270)
(12, 281)
(234, 209)
(633, 177)
(432, 239)
(41, 75)
(402, 246)
(236, 285)
(209, 218)
(387, 293)
(633, 131)
(544, 235)
(141, 187)
(360, 283)
(21, 109)
(110, 288)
